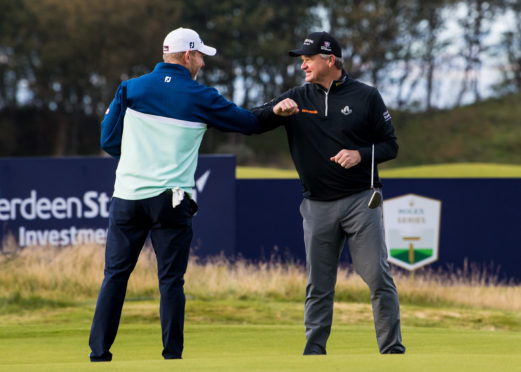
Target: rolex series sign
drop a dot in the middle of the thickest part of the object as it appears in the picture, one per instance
(412, 229)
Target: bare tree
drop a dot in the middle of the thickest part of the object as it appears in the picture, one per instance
(476, 25)
(368, 32)
(511, 47)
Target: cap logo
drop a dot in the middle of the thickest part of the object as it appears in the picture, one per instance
(326, 46)
(308, 42)
(185, 39)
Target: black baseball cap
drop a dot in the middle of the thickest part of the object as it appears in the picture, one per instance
(318, 43)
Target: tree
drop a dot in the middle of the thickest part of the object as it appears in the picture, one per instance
(253, 39)
(13, 33)
(368, 30)
(78, 50)
(61, 61)
(399, 36)
(73, 54)
(511, 46)
(476, 25)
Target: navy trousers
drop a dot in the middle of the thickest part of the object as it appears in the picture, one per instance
(170, 229)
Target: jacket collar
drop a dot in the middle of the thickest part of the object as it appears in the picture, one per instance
(335, 83)
(172, 68)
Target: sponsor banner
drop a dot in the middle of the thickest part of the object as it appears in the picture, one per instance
(479, 223)
(65, 201)
(412, 230)
(269, 224)
(57, 202)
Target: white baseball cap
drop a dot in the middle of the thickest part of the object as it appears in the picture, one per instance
(183, 39)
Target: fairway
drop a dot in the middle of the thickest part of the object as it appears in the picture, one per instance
(221, 347)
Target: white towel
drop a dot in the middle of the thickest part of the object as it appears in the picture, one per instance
(177, 196)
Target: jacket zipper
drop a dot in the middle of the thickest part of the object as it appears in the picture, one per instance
(326, 97)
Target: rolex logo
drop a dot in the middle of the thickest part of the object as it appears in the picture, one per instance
(346, 110)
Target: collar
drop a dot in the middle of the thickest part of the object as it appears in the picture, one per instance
(335, 83)
(172, 68)
(342, 80)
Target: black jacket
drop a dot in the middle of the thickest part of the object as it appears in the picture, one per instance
(351, 115)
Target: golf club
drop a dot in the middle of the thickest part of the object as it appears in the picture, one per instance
(376, 198)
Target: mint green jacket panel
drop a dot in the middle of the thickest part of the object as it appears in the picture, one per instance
(157, 153)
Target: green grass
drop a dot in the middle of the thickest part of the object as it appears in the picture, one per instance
(214, 347)
(256, 336)
(486, 131)
(456, 170)
(260, 172)
(16, 302)
(246, 317)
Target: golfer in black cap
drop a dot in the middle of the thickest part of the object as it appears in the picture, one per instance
(332, 124)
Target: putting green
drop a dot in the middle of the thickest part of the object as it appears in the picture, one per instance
(48, 347)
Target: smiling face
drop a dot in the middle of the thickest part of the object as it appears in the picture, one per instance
(320, 70)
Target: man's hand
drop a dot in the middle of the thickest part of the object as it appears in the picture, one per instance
(347, 158)
(286, 107)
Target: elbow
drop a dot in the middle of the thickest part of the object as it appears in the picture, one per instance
(104, 144)
(394, 150)
(252, 127)
(111, 149)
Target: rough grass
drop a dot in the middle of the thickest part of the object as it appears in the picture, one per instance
(49, 278)
(248, 317)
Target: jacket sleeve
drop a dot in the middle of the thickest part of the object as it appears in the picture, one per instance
(383, 135)
(225, 115)
(267, 119)
(112, 124)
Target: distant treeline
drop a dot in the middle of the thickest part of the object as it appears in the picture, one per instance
(61, 61)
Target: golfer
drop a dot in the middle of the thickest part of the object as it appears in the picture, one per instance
(155, 124)
(332, 123)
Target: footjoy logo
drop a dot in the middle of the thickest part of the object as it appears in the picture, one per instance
(346, 110)
(412, 229)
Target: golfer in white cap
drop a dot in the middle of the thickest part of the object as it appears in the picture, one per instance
(155, 125)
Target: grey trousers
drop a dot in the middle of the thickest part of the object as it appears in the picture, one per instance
(326, 227)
